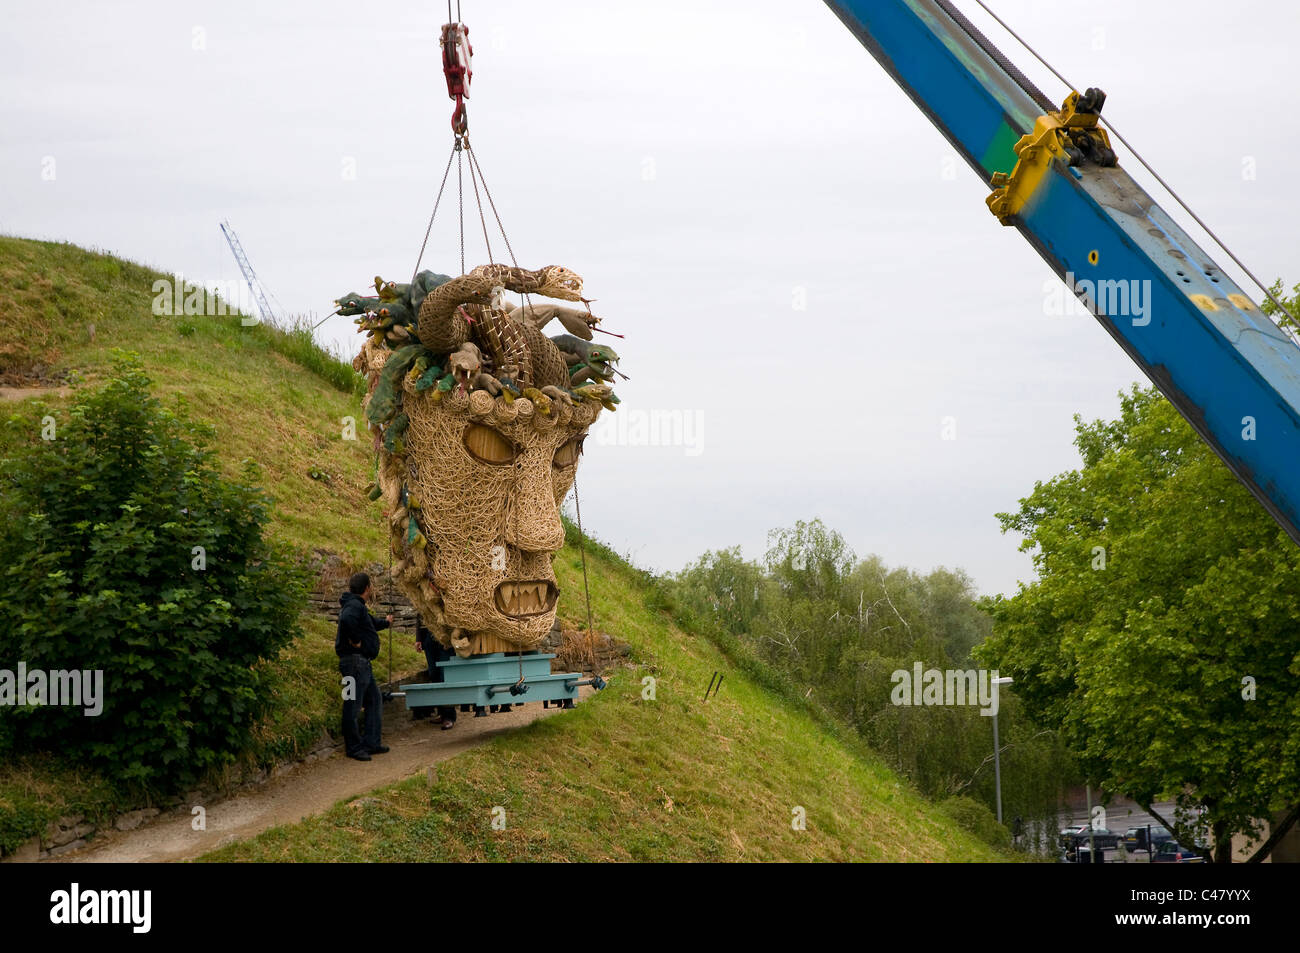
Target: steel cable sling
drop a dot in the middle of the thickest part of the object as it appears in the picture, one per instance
(457, 63)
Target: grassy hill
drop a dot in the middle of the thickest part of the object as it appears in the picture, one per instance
(624, 778)
(248, 382)
(621, 777)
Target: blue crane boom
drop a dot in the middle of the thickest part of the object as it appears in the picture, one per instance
(1227, 368)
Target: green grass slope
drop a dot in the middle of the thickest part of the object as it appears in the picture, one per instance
(247, 382)
(621, 777)
(626, 778)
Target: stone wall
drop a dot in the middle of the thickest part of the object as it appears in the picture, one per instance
(332, 581)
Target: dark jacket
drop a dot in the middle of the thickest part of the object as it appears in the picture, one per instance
(434, 651)
(358, 632)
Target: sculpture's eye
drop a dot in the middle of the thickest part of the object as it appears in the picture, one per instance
(567, 455)
(488, 446)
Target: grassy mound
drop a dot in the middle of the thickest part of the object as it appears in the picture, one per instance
(623, 777)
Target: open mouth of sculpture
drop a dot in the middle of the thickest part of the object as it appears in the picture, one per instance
(525, 598)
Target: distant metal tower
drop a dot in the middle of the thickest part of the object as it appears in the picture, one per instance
(254, 286)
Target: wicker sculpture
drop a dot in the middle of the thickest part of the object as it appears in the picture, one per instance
(478, 427)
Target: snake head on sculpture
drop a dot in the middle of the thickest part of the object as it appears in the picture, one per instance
(353, 304)
(601, 357)
(560, 282)
(465, 363)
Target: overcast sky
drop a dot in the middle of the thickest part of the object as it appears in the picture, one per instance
(708, 167)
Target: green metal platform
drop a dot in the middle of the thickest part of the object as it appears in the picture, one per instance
(484, 680)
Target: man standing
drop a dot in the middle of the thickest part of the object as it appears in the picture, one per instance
(356, 643)
(434, 652)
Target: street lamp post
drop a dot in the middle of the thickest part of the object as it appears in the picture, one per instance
(997, 753)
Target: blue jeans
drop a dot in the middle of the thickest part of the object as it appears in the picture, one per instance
(365, 695)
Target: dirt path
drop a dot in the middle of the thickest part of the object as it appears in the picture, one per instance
(22, 393)
(305, 789)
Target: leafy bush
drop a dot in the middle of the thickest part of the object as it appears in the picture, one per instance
(123, 549)
(974, 817)
(19, 817)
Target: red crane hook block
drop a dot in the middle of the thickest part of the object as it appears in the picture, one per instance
(457, 56)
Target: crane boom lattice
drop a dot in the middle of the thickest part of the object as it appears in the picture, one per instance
(250, 277)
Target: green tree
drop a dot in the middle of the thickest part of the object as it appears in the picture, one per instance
(122, 549)
(725, 589)
(1160, 636)
(839, 627)
(1284, 320)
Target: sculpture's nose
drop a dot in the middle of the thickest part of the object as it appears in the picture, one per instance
(533, 521)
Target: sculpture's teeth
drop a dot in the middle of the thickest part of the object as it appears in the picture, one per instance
(525, 598)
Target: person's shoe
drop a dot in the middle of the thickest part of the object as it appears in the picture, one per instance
(361, 756)
(382, 749)
(448, 724)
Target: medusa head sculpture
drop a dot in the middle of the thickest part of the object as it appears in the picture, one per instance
(479, 421)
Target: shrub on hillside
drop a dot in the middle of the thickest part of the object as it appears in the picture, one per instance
(975, 818)
(122, 549)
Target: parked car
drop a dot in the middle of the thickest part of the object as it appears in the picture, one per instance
(1172, 852)
(1074, 842)
(1082, 855)
(1135, 838)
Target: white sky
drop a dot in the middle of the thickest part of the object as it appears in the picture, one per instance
(702, 165)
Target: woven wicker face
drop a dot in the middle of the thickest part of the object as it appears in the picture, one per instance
(485, 479)
(489, 487)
